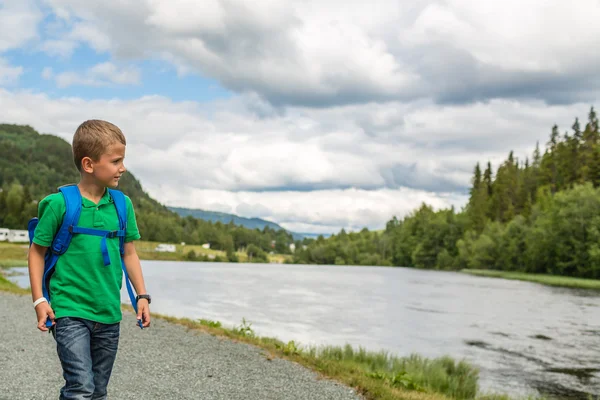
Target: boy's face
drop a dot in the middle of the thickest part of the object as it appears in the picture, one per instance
(109, 168)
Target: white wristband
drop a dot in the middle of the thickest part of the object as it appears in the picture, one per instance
(38, 301)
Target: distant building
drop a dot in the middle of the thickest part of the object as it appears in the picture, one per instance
(292, 247)
(206, 246)
(165, 248)
(14, 235)
(18, 236)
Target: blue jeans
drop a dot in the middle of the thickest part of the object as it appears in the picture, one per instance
(87, 352)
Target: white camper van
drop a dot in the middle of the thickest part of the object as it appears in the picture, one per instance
(4, 234)
(163, 247)
(18, 236)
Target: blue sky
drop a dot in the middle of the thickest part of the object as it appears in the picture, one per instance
(156, 77)
(313, 116)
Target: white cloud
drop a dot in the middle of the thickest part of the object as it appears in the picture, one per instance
(310, 169)
(60, 48)
(313, 52)
(19, 20)
(98, 40)
(66, 79)
(100, 75)
(9, 75)
(110, 72)
(512, 34)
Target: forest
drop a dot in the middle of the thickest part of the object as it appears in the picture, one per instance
(537, 215)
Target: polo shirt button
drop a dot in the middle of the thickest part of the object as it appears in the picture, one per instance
(97, 208)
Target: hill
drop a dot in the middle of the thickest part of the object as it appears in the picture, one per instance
(42, 163)
(33, 165)
(225, 218)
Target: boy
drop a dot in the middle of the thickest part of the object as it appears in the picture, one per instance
(85, 289)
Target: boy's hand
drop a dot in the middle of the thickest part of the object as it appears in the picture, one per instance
(143, 312)
(44, 311)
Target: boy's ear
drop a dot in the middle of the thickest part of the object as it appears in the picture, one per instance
(87, 165)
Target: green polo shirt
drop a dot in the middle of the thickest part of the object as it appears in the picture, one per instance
(82, 286)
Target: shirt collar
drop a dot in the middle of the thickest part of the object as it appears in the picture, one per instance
(105, 199)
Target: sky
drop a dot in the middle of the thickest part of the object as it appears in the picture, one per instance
(315, 114)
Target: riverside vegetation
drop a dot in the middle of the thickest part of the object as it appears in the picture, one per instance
(538, 216)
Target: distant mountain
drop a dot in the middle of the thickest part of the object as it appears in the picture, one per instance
(314, 235)
(225, 218)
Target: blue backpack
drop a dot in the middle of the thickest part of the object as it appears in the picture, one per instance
(69, 227)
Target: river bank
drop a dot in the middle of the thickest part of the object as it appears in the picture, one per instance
(166, 361)
(15, 254)
(549, 280)
(374, 375)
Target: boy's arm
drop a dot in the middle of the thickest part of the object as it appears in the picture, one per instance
(35, 263)
(134, 269)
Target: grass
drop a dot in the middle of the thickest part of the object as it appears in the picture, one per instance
(146, 251)
(550, 280)
(15, 254)
(375, 375)
(457, 380)
(8, 286)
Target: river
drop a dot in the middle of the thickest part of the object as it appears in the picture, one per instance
(526, 338)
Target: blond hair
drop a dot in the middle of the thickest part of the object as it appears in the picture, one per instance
(92, 139)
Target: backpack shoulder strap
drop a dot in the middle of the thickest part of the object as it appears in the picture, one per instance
(72, 197)
(121, 206)
(119, 200)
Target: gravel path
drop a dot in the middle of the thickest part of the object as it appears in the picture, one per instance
(166, 361)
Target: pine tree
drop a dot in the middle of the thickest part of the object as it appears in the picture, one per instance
(537, 157)
(476, 179)
(592, 124)
(570, 165)
(577, 130)
(588, 167)
(478, 202)
(595, 167)
(487, 179)
(525, 183)
(554, 138)
(549, 167)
